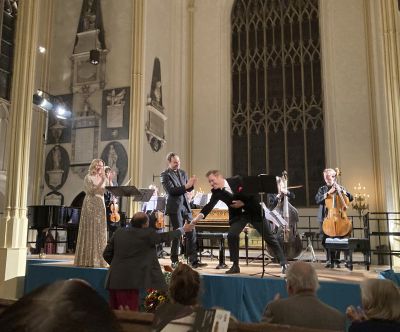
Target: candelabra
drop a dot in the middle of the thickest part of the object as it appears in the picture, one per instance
(360, 201)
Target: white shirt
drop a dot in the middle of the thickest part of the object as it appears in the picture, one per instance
(227, 187)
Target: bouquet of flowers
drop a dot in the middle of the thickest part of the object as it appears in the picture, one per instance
(153, 299)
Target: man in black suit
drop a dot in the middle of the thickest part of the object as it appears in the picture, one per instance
(131, 253)
(176, 184)
(243, 209)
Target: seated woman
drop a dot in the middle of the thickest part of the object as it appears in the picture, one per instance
(179, 313)
(381, 307)
(67, 305)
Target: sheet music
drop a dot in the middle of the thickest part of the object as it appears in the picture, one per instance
(220, 205)
(273, 216)
(198, 198)
(150, 205)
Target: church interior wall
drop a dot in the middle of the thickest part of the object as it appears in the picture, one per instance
(64, 27)
(212, 89)
(117, 23)
(349, 99)
(161, 20)
(346, 93)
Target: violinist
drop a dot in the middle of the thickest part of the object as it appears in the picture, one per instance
(323, 193)
(111, 202)
(154, 211)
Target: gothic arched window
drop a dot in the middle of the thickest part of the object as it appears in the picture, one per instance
(277, 115)
(7, 29)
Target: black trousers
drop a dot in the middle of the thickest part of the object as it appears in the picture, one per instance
(40, 240)
(335, 254)
(177, 220)
(237, 225)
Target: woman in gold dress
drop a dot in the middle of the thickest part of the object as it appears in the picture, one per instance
(92, 236)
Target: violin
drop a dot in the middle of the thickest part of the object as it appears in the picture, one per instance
(336, 222)
(288, 236)
(159, 220)
(114, 216)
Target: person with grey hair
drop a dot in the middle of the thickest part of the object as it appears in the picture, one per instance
(380, 300)
(330, 188)
(302, 307)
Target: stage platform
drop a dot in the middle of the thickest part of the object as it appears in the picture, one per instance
(243, 294)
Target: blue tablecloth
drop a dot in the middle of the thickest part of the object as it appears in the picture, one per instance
(245, 297)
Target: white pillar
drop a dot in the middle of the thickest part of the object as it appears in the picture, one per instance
(14, 223)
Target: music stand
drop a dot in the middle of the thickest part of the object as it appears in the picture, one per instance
(260, 184)
(144, 195)
(120, 191)
(138, 195)
(156, 203)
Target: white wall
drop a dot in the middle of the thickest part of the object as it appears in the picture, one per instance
(348, 97)
(117, 24)
(165, 33)
(348, 132)
(212, 88)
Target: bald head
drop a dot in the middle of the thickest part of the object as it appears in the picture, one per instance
(300, 277)
(140, 220)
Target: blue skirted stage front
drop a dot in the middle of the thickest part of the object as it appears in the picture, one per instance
(244, 296)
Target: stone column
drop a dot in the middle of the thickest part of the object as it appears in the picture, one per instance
(391, 45)
(137, 97)
(14, 223)
(391, 51)
(42, 82)
(190, 92)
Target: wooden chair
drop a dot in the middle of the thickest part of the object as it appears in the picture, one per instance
(134, 321)
(257, 327)
(4, 304)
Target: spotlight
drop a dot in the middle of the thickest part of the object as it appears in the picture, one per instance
(94, 57)
(42, 49)
(48, 102)
(62, 113)
(41, 101)
(45, 104)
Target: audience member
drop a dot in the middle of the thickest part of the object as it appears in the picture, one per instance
(381, 307)
(131, 253)
(184, 289)
(302, 307)
(67, 305)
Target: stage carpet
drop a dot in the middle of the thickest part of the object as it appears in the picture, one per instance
(244, 294)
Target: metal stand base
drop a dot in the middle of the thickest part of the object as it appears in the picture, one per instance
(309, 248)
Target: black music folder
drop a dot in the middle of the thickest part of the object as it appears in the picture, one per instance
(138, 195)
(120, 191)
(260, 184)
(144, 195)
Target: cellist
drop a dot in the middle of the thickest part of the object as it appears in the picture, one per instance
(323, 192)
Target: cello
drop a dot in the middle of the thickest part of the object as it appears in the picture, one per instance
(288, 236)
(336, 222)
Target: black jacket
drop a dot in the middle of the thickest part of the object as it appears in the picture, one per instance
(174, 186)
(251, 206)
(132, 256)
